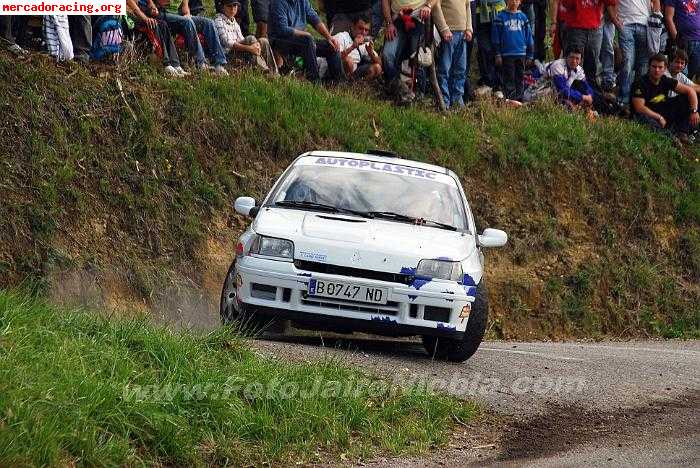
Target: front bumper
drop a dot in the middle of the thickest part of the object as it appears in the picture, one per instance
(276, 288)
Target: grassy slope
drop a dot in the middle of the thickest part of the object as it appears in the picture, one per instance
(69, 394)
(603, 216)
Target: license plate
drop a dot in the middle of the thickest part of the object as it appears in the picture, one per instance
(347, 291)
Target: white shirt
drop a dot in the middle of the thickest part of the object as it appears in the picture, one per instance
(228, 30)
(560, 68)
(633, 11)
(682, 79)
(345, 42)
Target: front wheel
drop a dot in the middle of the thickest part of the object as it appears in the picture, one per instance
(457, 350)
(227, 309)
(234, 314)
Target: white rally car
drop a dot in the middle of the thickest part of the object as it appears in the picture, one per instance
(364, 242)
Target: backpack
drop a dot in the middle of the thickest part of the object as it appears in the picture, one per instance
(107, 38)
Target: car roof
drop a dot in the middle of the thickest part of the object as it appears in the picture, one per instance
(382, 159)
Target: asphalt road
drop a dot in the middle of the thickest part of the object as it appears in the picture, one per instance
(548, 404)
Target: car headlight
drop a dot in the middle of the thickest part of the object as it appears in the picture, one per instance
(441, 269)
(273, 247)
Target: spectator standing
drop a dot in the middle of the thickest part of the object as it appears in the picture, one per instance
(513, 46)
(485, 14)
(233, 41)
(177, 14)
(569, 79)
(261, 13)
(81, 36)
(57, 37)
(652, 105)
(634, 16)
(583, 30)
(7, 37)
(683, 24)
(171, 61)
(288, 35)
(453, 19)
(360, 60)
(536, 12)
(607, 55)
(560, 18)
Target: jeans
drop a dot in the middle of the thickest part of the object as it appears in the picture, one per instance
(589, 41)
(7, 22)
(539, 26)
(676, 112)
(398, 49)
(377, 17)
(512, 72)
(536, 12)
(635, 49)
(607, 56)
(189, 27)
(170, 56)
(486, 54)
(80, 34)
(243, 17)
(452, 69)
(692, 48)
(309, 48)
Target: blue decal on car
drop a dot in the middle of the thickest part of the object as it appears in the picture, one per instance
(408, 271)
(312, 286)
(421, 281)
(446, 326)
(468, 280)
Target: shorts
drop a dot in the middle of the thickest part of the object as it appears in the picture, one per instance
(261, 9)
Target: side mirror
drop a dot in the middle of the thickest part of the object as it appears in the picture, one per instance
(493, 238)
(244, 205)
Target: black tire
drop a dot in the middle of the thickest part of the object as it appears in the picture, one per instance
(248, 324)
(455, 350)
(226, 311)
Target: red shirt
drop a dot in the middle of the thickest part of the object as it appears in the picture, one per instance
(585, 14)
(563, 13)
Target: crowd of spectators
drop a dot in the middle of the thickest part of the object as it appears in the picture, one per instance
(627, 57)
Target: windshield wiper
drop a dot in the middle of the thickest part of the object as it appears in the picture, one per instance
(321, 207)
(410, 219)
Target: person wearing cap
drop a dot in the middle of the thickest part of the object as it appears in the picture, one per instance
(288, 35)
(233, 41)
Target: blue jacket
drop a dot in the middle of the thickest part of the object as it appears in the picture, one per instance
(288, 15)
(511, 35)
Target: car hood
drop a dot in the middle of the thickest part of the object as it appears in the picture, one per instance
(373, 244)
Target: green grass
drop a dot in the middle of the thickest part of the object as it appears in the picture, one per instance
(78, 388)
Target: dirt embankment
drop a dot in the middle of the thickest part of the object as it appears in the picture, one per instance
(130, 208)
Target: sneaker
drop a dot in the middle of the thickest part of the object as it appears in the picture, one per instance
(220, 70)
(171, 71)
(204, 67)
(498, 95)
(83, 59)
(17, 50)
(180, 71)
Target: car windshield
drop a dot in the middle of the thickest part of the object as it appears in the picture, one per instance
(372, 189)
